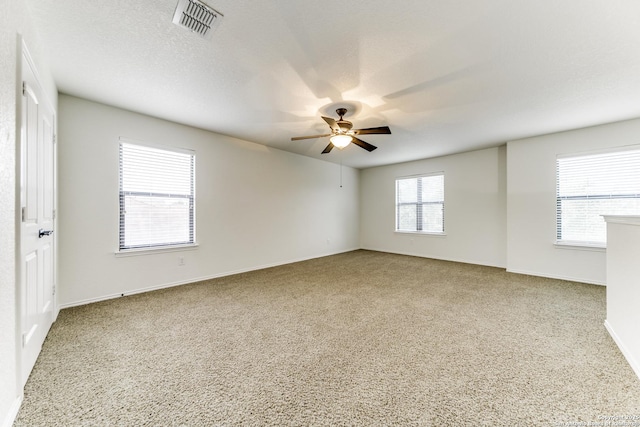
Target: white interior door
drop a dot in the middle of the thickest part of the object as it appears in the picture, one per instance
(37, 211)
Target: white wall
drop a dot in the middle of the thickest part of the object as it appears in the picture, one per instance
(14, 25)
(255, 206)
(475, 204)
(623, 292)
(531, 202)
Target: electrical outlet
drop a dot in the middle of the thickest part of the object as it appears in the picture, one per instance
(180, 260)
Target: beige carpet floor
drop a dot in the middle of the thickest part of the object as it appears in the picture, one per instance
(362, 338)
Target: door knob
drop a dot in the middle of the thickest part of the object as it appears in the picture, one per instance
(42, 232)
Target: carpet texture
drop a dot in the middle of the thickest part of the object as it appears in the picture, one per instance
(362, 338)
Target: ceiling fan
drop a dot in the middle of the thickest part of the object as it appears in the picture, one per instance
(342, 133)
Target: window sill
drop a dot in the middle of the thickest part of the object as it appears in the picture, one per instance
(421, 233)
(156, 250)
(594, 247)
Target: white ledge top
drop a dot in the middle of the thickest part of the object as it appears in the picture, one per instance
(623, 219)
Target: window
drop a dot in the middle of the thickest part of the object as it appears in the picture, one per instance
(420, 203)
(157, 189)
(592, 185)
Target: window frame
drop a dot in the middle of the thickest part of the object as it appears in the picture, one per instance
(419, 203)
(191, 243)
(585, 244)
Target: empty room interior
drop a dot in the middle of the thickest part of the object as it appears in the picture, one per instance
(319, 213)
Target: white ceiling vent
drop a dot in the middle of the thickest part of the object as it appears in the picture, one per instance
(197, 17)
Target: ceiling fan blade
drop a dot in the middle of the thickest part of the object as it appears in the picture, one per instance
(371, 131)
(332, 123)
(297, 138)
(328, 148)
(363, 144)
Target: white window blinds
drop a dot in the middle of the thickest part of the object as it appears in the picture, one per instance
(420, 204)
(157, 190)
(589, 186)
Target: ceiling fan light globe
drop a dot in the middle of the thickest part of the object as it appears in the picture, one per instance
(340, 141)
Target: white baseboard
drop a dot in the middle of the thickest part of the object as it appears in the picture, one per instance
(635, 364)
(419, 255)
(13, 412)
(554, 276)
(194, 280)
(475, 262)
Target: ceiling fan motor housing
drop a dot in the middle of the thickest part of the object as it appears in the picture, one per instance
(344, 125)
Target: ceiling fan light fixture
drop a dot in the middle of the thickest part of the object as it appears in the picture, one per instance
(340, 141)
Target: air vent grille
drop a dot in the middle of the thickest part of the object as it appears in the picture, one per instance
(197, 17)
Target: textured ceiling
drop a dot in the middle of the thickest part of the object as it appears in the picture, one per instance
(446, 76)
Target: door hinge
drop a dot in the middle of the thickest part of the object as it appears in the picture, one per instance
(24, 213)
(24, 88)
(54, 290)
(53, 214)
